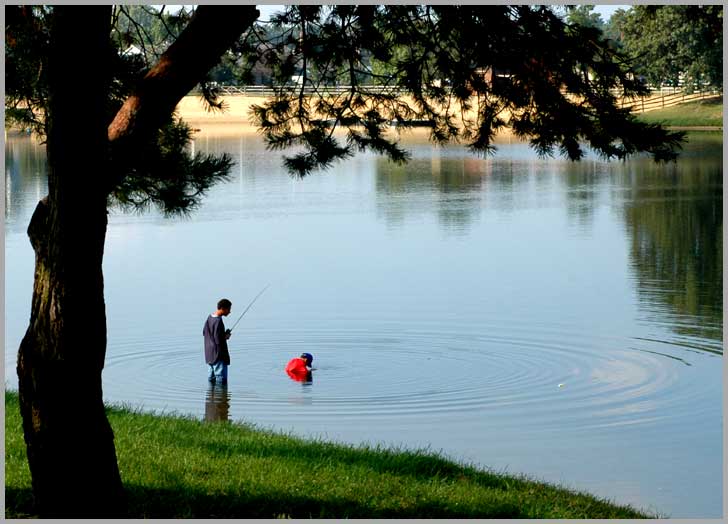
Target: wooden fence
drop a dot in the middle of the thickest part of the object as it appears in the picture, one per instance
(323, 90)
(663, 99)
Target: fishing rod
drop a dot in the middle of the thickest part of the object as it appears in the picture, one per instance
(247, 308)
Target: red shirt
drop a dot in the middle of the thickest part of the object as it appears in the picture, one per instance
(296, 366)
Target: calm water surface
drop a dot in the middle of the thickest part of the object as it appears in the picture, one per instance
(532, 316)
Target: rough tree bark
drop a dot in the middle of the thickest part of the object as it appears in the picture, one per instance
(70, 443)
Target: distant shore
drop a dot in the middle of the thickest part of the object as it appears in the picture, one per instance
(236, 110)
(701, 115)
(695, 116)
(234, 118)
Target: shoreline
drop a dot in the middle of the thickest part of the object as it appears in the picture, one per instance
(192, 110)
(694, 128)
(237, 107)
(233, 120)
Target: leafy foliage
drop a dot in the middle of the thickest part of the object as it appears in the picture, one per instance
(585, 16)
(147, 29)
(613, 29)
(27, 41)
(169, 178)
(164, 174)
(669, 40)
(466, 71)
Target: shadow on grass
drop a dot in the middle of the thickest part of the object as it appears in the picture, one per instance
(19, 503)
(185, 503)
(717, 101)
(146, 502)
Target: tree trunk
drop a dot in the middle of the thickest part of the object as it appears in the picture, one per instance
(70, 443)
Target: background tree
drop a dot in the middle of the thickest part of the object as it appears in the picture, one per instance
(147, 28)
(27, 43)
(116, 141)
(613, 28)
(585, 16)
(667, 41)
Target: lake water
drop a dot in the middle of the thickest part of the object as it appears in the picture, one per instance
(562, 320)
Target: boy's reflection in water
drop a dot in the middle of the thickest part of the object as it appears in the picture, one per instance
(217, 403)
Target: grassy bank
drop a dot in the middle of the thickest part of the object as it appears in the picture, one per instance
(176, 467)
(704, 113)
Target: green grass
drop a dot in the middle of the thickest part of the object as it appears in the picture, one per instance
(702, 113)
(176, 467)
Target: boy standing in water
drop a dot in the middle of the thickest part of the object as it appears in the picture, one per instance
(216, 348)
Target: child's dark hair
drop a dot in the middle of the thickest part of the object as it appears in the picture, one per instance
(224, 303)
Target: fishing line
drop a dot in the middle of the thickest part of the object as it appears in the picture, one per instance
(247, 308)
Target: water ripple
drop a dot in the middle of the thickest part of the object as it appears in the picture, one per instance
(549, 376)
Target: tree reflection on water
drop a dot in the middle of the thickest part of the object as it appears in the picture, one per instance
(674, 220)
